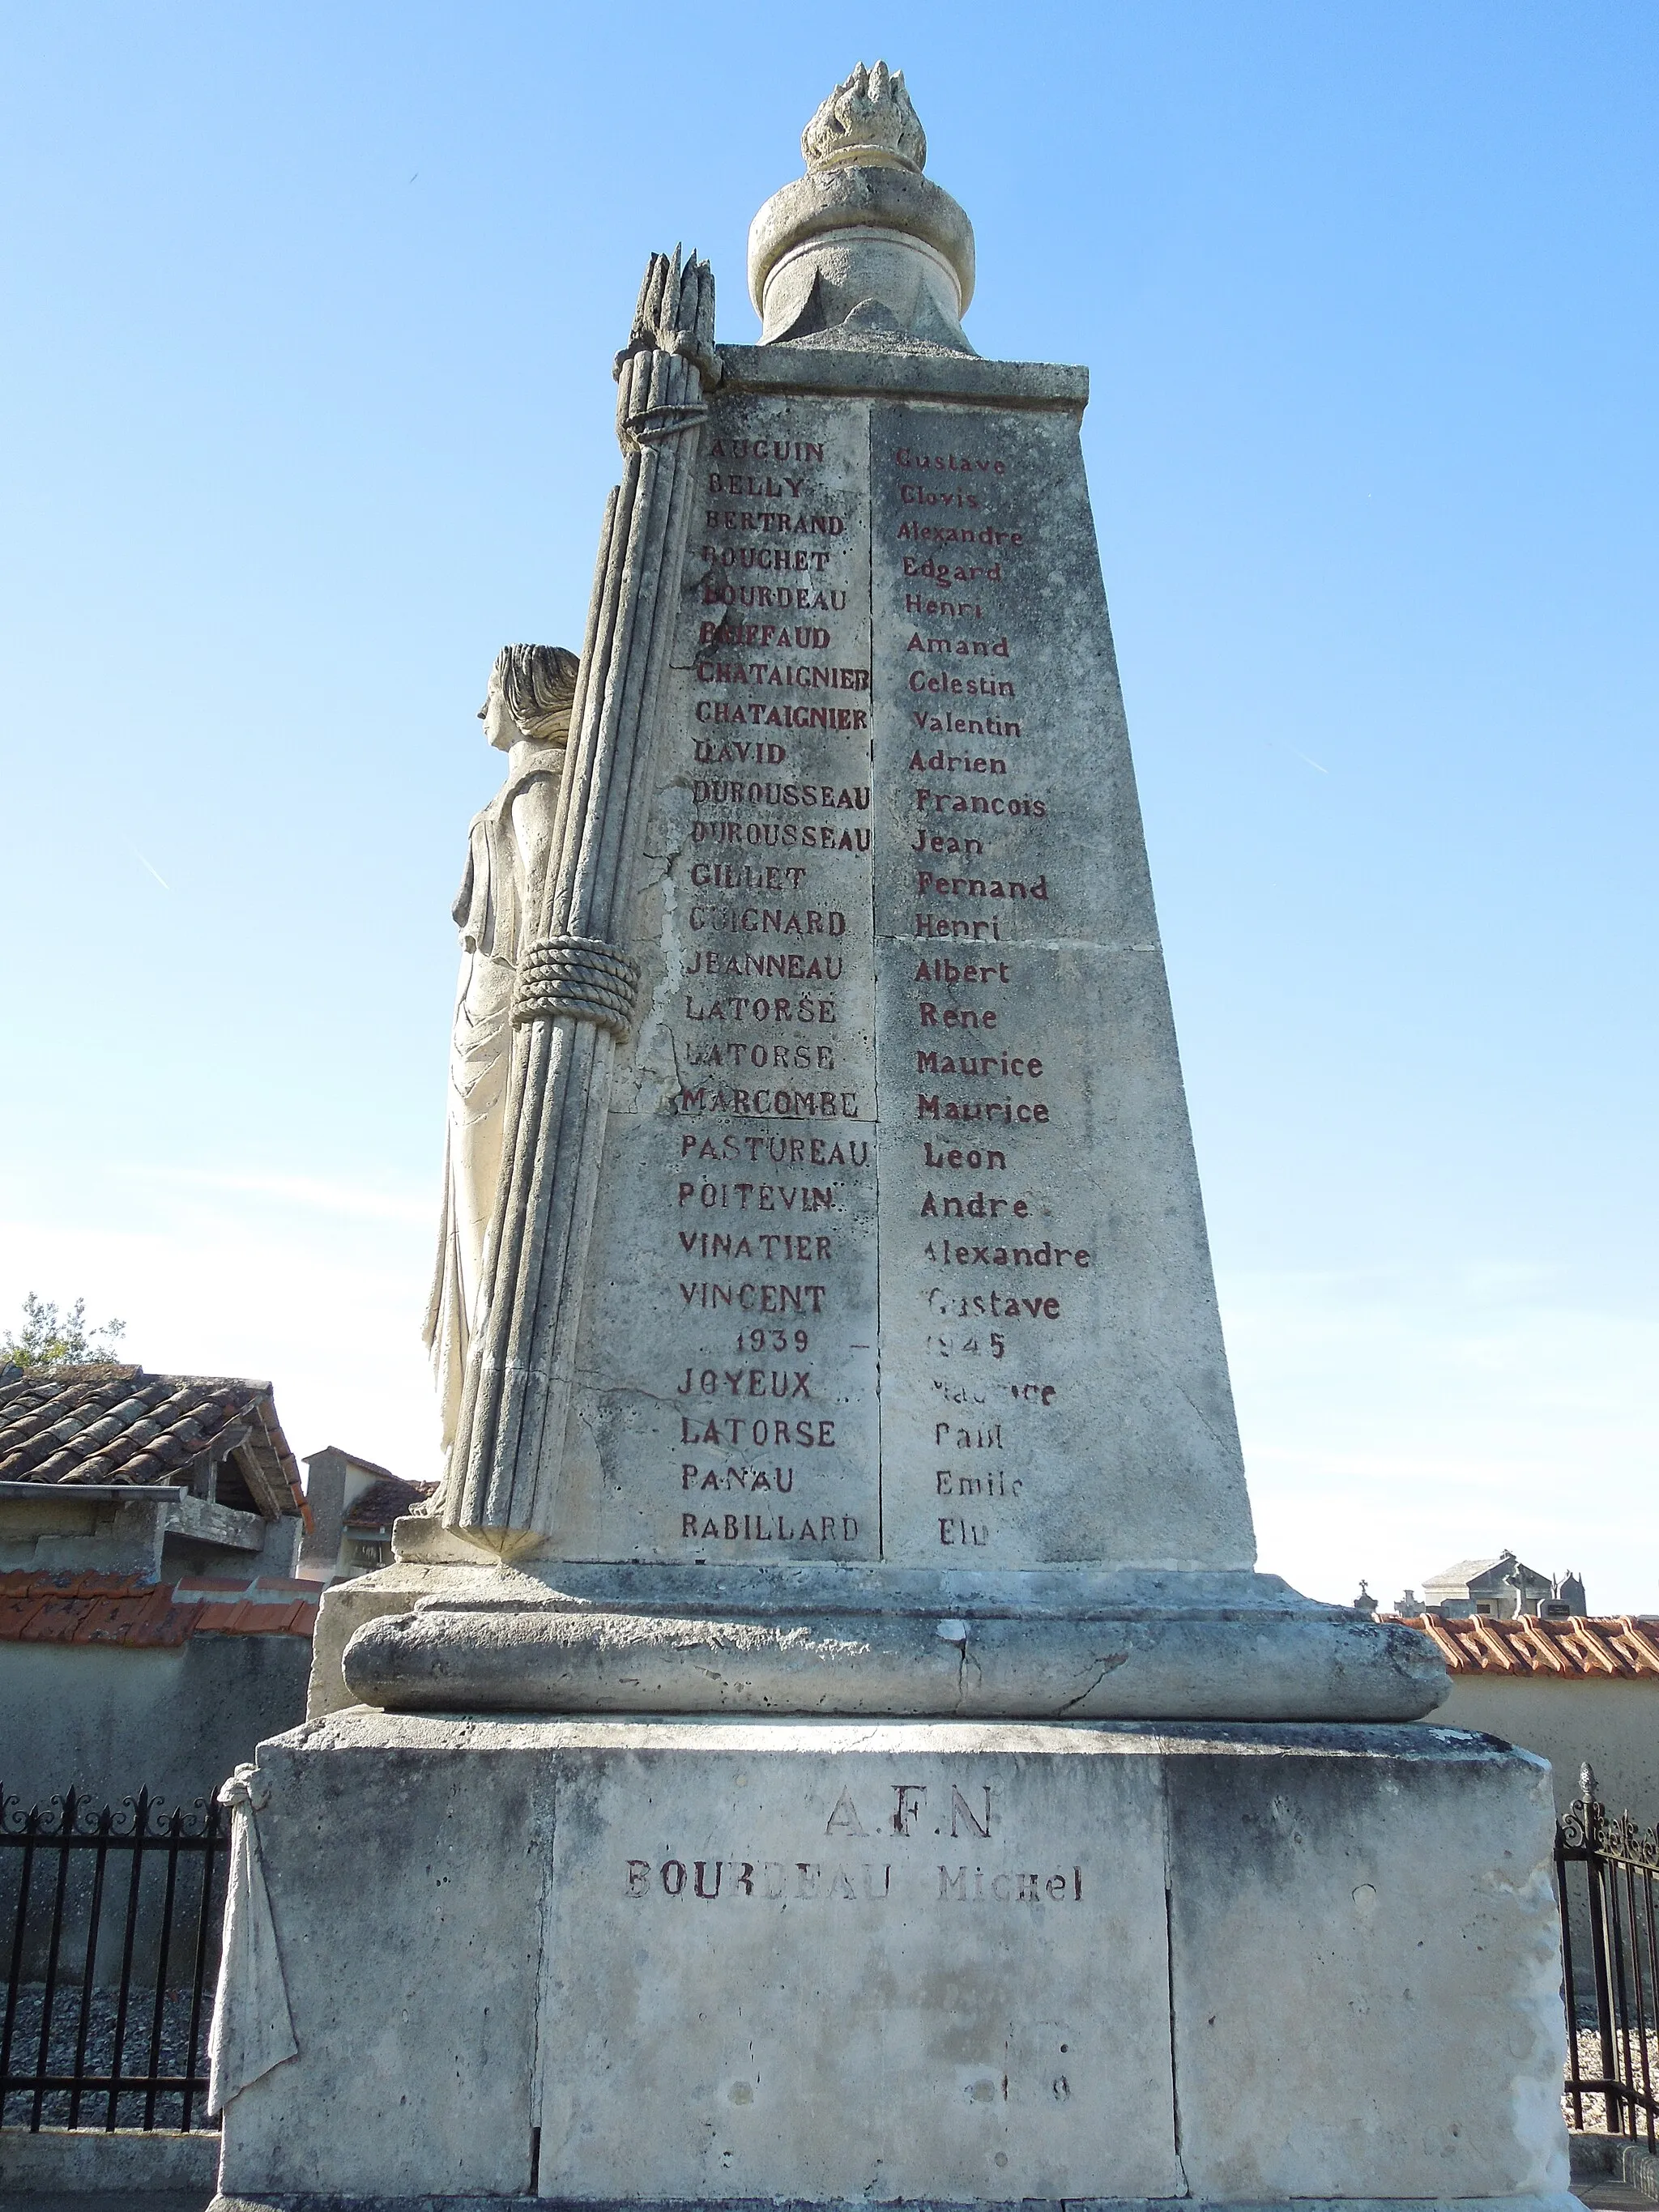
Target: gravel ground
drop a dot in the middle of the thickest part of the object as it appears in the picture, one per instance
(101, 2045)
(1589, 2062)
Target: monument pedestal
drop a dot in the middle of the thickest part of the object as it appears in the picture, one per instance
(690, 1962)
(878, 1775)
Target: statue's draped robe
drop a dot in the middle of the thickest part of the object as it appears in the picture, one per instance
(507, 859)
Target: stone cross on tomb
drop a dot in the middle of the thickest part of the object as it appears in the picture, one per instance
(830, 1739)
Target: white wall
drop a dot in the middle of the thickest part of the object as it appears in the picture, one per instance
(1612, 1723)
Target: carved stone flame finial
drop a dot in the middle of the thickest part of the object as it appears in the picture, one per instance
(863, 246)
(868, 119)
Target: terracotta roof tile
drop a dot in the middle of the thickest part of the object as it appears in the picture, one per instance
(222, 1617)
(15, 1614)
(1494, 1653)
(1608, 1648)
(383, 1502)
(151, 1619)
(56, 1618)
(1546, 1656)
(124, 1610)
(102, 1423)
(21, 1582)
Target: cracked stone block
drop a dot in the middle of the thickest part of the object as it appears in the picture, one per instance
(690, 1962)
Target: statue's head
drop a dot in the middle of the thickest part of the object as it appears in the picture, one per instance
(532, 688)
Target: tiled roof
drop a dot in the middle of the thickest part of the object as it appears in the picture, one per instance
(1617, 1649)
(40, 1608)
(353, 1459)
(379, 1506)
(109, 1423)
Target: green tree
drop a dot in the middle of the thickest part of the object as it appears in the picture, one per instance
(49, 1339)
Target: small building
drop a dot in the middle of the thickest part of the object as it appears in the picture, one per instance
(152, 1629)
(105, 1466)
(354, 1504)
(1501, 1588)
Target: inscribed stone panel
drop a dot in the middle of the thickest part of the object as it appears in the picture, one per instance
(727, 1407)
(843, 1963)
(1053, 1386)
(899, 1252)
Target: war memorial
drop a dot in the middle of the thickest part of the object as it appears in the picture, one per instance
(831, 1744)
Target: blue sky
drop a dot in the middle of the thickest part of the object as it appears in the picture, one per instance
(310, 312)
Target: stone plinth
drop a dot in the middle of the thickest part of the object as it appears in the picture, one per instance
(862, 1641)
(694, 1961)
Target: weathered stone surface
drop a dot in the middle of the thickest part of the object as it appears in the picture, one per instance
(874, 1641)
(823, 1962)
(913, 374)
(882, 1251)
(860, 250)
(864, 245)
(576, 994)
(345, 1609)
(868, 117)
(407, 1893)
(976, 1346)
(526, 716)
(913, 1166)
(70, 2169)
(865, 1975)
(873, 1279)
(1364, 1935)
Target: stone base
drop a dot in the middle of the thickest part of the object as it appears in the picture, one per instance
(1600, 2158)
(153, 2172)
(710, 1962)
(1056, 1643)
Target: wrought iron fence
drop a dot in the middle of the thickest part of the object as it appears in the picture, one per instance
(109, 1920)
(1612, 1993)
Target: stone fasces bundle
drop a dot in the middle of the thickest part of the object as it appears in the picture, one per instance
(576, 985)
(833, 1744)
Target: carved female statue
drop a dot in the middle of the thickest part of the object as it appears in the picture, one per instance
(527, 712)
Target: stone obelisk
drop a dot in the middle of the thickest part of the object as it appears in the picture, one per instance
(833, 1743)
